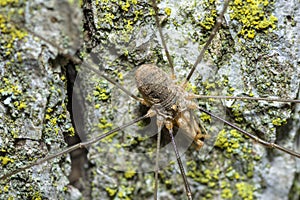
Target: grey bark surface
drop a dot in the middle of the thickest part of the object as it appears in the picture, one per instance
(31, 76)
(266, 65)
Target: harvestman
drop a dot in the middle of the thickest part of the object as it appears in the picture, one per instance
(172, 108)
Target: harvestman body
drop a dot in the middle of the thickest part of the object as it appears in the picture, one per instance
(171, 104)
(175, 106)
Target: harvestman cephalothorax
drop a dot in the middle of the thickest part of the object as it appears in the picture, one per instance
(163, 118)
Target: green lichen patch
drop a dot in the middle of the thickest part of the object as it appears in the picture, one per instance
(111, 191)
(207, 177)
(245, 190)
(101, 91)
(254, 15)
(119, 16)
(216, 173)
(279, 122)
(34, 116)
(8, 2)
(129, 174)
(31, 124)
(10, 35)
(237, 112)
(209, 18)
(226, 193)
(5, 160)
(57, 117)
(233, 154)
(232, 141)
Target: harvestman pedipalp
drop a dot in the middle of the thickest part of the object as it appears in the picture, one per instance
(78, 146)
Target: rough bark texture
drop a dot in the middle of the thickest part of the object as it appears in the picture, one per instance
(256, 53)
(34, 115)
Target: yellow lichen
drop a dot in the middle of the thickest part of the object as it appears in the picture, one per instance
(245, 190)
(253, 16)
(190, 87)
(71, 131)
(125, 6)
(111, 192)
(226, 193)
(20, 105)
(6, 160)
(10, 33)
(205, 117)
(278, 121)
(100, 92)
(209, 19)
(53, 121)
(37, 196)
(6, 188)
(236, 110)
(231, 142)
(129, 174)
(168, 11)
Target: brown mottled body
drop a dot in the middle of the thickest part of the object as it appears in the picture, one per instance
(159, 90)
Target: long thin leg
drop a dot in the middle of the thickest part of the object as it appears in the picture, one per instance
(74, 147)
(154, 5)
(90, 65)
(76, 60)
(186, 184)
(255, 138)
(208, 42)
(157, 159)
(193, 96)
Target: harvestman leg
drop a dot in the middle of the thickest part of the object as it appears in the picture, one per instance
(253, 137)
(186, 184)
(208, 42)
(160, 126)
(76, 146)
(149, 114)
(199, 58)
(154, 5)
